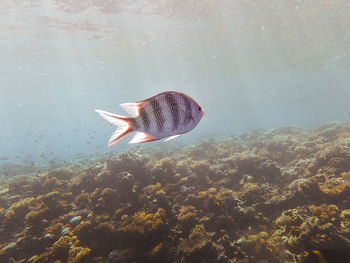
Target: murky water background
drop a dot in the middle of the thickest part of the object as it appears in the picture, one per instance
(250, 64)
(264, 177)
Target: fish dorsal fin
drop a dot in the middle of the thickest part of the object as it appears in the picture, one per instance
(132, 108)
(171, 137)
(142, 137)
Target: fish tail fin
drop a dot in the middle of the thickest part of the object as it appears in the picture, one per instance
(124, 125)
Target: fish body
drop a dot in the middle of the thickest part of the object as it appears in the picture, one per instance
(168, 114)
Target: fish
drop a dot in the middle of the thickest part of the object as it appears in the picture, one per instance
(165, 115)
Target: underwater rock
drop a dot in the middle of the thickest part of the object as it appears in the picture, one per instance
(79, 254)
(197, 247)
(116, 256)
(290, 218)
(187, 213)
(295, 184)
(160, 253)
(310, 190)
(33, 259)
(261, 196)
(4, 189)
(185, 189)
(34, 217)
(17, 211)
(8, 249)
(61, 247)
(187, 216)
(257, 167)
(85, 230)
(144, 223)
(346, 213)
(251, 193)
(82, 200)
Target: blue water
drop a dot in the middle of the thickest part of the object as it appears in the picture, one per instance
(250, 64)
(264, 196)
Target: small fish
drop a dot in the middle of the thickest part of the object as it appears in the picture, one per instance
(168, 114)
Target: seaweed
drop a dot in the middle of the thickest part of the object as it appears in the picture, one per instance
(272, 196)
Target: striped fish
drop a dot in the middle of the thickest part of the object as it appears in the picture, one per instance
(168, 114)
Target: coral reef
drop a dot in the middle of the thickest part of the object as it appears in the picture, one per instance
(263, 196)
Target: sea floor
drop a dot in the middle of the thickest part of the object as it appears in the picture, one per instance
(263, 196)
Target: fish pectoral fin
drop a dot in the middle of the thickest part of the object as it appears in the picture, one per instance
(142, 137)
(171, 137)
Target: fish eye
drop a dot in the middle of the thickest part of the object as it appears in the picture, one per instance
(199, 108)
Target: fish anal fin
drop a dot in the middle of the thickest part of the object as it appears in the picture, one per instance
(132, 108)
(171, 137)
(142, 137)
(117, 136)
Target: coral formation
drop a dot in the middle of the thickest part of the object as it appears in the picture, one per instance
(261, 196)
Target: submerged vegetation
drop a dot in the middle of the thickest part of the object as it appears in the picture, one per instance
(262, 196)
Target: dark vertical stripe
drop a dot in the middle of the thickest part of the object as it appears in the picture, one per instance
(170, 99)
(135, 124)
(189, 116)
(145, 119)
(157, 111)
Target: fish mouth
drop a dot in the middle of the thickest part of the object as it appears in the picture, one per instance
(202, 111)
